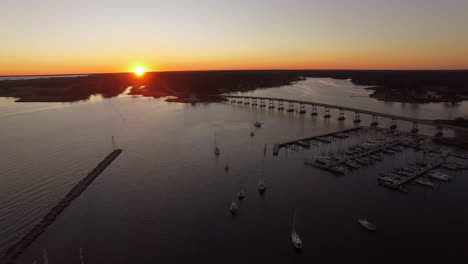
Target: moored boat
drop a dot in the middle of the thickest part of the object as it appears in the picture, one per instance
(425, 182)
(352, 164)
(367, 225)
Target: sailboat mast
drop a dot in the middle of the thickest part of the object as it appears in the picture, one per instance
(294, 220)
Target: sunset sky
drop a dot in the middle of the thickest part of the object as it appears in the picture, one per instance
(92, 36)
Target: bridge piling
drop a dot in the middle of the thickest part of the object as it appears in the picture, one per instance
(271, 104)
(302, 109)
(280, 106)
(415, 128)
(291, 107)
(327, 113)
(394, 124)
(314, 110)
(342, 116)
(262, 103)
(254, 102)
(374, 121)
(357, 117)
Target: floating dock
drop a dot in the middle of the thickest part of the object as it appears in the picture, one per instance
(13, 252)
(420, 172)
(304, 142)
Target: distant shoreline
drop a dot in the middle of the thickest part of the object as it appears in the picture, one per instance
(391, 86)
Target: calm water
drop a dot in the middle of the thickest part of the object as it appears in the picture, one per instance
(166, 198)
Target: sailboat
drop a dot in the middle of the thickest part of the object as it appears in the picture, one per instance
(261, 186)
(226, 168)
(295, 239)
(234, 208)
(216, 149)
(261, 181)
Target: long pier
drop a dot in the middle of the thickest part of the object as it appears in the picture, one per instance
(13, 252)
(357, 111)
(299, 141)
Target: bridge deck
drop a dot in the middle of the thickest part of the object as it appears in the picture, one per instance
(351, 109)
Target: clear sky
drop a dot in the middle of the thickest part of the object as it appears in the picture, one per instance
(87, 36)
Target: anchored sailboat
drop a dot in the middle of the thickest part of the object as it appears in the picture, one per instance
(234, 208)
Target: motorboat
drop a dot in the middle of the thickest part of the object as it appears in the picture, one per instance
(388, 151)
(234, 208)
(323, 160)
(295, 239)
(258, 124)
(252, 134)
(367, 225)
(337, 170)
(363, 161)
(226, 168)
(439, 176)
(352, 164)
(425, 182)
(217, 152)
(376, 157)
(388, 179)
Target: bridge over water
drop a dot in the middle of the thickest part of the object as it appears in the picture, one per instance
(280, 105)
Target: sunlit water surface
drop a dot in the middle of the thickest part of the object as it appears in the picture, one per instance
(166, 197)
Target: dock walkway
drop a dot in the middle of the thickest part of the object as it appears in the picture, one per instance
(301, 141)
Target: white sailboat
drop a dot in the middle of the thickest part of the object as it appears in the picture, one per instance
(216, 149)
(295, 239)
(234, 208)
(261, 181)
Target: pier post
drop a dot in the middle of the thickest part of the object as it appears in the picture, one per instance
(374, 121)
(280, 106)
(439, 132)
(314, 110)
(357, 118)
(327, 113)
(415, 128)
(291, 107)
(254, 102)
(271, 104)
(302, 110)
(394, 124)
(262, 103)
(341, 117)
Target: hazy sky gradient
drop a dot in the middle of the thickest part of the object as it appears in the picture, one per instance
(46, 36)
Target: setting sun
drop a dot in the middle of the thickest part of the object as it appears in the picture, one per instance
(139, 71)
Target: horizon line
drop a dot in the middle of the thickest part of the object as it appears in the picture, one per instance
(129, 72)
